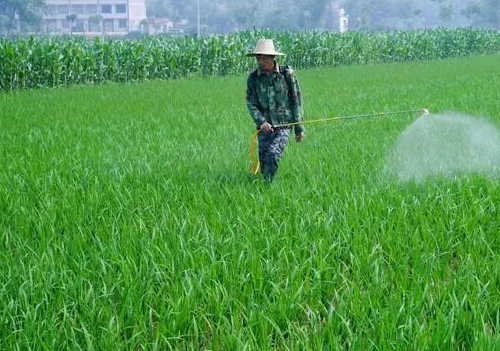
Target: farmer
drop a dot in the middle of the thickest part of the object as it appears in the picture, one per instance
(273, 99)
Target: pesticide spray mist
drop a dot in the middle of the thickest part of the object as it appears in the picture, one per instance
(445, 145)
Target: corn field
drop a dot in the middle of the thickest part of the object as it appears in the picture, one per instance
(28, 63)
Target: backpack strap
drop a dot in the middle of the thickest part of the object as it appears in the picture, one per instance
(287, 70)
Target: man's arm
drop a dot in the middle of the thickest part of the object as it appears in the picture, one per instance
(295, 101)
(253, 103)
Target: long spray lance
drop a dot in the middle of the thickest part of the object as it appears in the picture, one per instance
(255, 161)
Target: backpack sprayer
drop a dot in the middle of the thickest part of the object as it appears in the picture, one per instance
(255, 161)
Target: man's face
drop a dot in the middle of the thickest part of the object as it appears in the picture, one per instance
(266, 62)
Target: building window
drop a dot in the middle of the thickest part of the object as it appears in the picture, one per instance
(109, 25)
(78, 9)
(79, 25)
(63, 9)
(122, 24)
(106, 9)
(91, 9)
(94, 26)
(65, 24)
(122, 8)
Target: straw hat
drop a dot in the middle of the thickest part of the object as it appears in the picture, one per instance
(265, 47)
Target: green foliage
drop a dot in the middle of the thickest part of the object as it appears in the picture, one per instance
(72, 17)
(17, 13)
(129, 219)
(34, 63)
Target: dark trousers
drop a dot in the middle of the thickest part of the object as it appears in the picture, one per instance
(271, 147)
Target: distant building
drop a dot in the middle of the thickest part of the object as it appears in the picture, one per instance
(343, 21)
(94, 17)
(158, 25)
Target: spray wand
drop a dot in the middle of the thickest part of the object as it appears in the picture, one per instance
(255, 162)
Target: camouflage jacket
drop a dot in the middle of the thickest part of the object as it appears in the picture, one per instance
(275, 98)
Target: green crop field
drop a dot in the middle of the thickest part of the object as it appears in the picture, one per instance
(130, 220)
(37, 62)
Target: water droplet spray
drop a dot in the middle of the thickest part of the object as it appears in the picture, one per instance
(445, 145)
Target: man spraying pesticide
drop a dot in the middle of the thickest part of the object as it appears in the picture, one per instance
(274, 101)
(275, 104)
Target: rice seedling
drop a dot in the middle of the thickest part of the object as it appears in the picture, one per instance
(130, 220)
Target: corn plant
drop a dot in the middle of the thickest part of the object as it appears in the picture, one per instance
(49, 62)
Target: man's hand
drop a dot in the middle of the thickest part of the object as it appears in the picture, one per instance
(299, 137)
(266, 127)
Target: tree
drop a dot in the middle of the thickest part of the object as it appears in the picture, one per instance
(473, 12)
(485, 13)
(313, 13)
(17, 13)
(173, 9)
(71, 19)
(144, 26)
(95, 21)
(491, 13)
(446, 13)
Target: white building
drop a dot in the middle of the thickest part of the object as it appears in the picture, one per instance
(94, 17)
(343, 21)
(157, 25)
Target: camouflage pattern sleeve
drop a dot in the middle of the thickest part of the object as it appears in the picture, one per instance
(295, 101)
(253, 103)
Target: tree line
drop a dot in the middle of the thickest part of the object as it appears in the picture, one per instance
(219, 16)
(226, 16)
